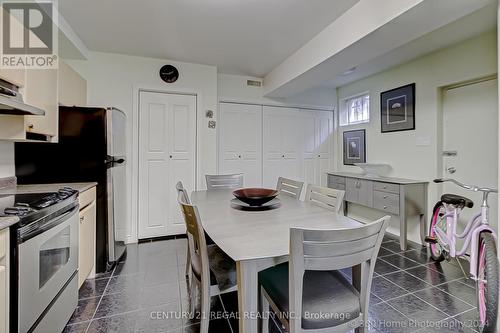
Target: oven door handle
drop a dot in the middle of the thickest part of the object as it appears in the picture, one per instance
(28, 234)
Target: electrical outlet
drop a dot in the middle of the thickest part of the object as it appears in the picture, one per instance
(211, 124)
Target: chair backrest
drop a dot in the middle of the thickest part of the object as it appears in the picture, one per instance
(196, 240)
(328, 250)
(182, 191)
(325, 197)
(290, 187)
(224, 182)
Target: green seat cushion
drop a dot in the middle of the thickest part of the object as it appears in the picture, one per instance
(328, 298)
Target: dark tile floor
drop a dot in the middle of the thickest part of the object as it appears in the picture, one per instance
(147, 292)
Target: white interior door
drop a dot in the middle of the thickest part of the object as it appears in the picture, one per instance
(167, 154)
(309, 145)
(240, 141)
(282, 144)
(470, 129)
(324, 135)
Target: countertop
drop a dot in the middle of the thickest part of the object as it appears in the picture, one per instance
(42, 188)
(7, 221)
(400, 181)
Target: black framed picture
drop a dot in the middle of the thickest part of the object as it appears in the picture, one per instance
(398, 109)
(354, 147)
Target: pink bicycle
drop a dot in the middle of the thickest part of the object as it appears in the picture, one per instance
(479, 237)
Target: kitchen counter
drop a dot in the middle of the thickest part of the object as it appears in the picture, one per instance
(7, 221)
(42, 188)
(401, 181)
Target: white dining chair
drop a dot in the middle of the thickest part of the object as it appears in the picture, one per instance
(213, 272)
(181, 191)
(311, 283)
(325, 197)
(289, 187)
(224, 182)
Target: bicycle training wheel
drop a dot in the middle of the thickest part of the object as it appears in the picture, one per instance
(487, 283)
(437, 252)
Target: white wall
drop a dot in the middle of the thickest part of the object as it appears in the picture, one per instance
(7, 167)
(467, 60)
(113, 80)
(234, 88)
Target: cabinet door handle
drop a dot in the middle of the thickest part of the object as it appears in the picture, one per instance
(283, 156)
(239, 156)
(385, 207)
(385, 196)
(82, 218)
(170, 156)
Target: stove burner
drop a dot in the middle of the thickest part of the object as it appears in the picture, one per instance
(22, 209)
(18, 211)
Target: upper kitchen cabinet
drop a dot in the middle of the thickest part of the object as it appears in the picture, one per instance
(14, 76)
(72, 87)
(41, 91)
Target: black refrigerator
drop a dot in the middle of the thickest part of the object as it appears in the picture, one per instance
(91, 148)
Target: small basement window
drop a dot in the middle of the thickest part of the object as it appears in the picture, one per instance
(355, 110)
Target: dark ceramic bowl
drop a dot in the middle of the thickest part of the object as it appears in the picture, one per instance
(255, 196)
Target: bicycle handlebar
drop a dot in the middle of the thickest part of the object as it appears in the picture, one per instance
(467, 187)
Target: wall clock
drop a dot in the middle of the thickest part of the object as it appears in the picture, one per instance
(169, 73)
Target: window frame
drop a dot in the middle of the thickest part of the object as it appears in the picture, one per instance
(344, 109)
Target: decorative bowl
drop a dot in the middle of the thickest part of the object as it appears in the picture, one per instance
(255, 196)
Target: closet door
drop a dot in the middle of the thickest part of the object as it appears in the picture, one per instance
(240, 141)
(309, 152)
(282, 144)
(324, 139)
(167, 146)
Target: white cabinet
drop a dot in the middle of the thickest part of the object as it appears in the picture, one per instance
(41, 91)
(4, 281)
(240, 141)
(317, 145)
(72, 87)
(167, 151)
(87, 242)
(282, 144)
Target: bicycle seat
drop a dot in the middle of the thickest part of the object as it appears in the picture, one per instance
(457, 200)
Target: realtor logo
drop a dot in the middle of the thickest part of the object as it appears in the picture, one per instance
(28, 36)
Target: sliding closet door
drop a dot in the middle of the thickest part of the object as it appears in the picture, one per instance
(324, 135)
(240, 141)
(282, 144)
(167, 152)
(317, 153)
(310, 142)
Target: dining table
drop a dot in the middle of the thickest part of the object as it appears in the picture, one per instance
(257, 240)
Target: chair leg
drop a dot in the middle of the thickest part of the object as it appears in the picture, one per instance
(205, 309)
(188, 261)
(361, 329)
(193, 296)
(264, 311)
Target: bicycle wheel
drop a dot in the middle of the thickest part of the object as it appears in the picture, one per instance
(487, 283)
(437, 252)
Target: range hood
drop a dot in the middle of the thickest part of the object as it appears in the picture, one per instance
(11, 101)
